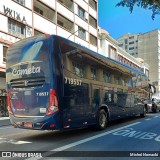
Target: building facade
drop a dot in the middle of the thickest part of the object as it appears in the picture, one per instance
(109, 47)
(72, 19)
(147, 47)
(129, 43)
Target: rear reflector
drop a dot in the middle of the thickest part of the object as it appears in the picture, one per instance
(52, 125)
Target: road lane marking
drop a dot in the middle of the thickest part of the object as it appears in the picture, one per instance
(155, 116)
(82, 141)
(91, 138)
(147, 119)
(131, 133)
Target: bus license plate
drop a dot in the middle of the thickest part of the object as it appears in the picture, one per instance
(28, 124)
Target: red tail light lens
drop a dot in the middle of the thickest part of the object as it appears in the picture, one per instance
(47, 35)
(53, 103)
(9, 104)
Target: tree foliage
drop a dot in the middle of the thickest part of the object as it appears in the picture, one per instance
(153, 5)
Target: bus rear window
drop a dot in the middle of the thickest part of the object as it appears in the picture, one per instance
(32, 52)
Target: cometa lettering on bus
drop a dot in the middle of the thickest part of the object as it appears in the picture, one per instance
(17, 72)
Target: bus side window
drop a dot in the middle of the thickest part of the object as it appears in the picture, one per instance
(96, 97)
(121, 99)
(76, 95)
(108, 97)
(139, 81)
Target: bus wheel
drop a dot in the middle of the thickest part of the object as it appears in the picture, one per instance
(101, 120)
(155, 110)
(144, 113)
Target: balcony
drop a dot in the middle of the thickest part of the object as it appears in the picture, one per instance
(65, 23)
(65, 11)
(93, 31)
(80, 22)
(93, 12)
(81, 42)
(67, 4)
(64, 33)
(48, 2)
(39, 24)
(44, 11)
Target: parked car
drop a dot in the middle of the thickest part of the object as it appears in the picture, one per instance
(155, 105)
(152, 105)
(148, 105)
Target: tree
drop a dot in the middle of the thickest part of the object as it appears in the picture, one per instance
(153, 5)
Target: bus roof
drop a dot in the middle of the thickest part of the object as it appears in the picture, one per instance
(124, 67)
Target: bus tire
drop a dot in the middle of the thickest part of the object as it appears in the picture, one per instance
(154, 110)
(101, 120)
(144, 113)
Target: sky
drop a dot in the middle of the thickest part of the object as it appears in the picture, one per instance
(119, 21)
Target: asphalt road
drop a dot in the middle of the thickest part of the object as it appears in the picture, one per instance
(133, 138)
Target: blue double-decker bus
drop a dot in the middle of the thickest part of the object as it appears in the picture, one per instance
(56, 84)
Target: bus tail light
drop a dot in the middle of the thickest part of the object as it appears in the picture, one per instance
(47, 35)
(53, 103)
(9, 104)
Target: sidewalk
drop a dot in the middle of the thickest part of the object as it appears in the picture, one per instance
(4, 121)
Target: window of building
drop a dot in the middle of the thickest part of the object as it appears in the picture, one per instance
(131, 48)
(93, 4)
(93, 73)
(93, 40)
(92, 21)
(65, 23)
(16, 28)
(38, 10)
(4, 53)
(79, 69)
(44, 11)
(147, 72)
(132, 37)
(126, 41)
(131, 42)
(112, 52)
(81, 12)
(81, 33)
(120, 45)
(21, 2)
(60, 23)
(107, 76)
(69, 4)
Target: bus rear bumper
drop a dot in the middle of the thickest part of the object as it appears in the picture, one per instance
(36, 123)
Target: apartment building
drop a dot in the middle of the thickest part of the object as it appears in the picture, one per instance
(109, 47)
(145, 46)
(76, 20)
(129, 43)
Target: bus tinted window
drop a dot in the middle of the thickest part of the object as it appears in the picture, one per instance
(77, 94)
(32, 52)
